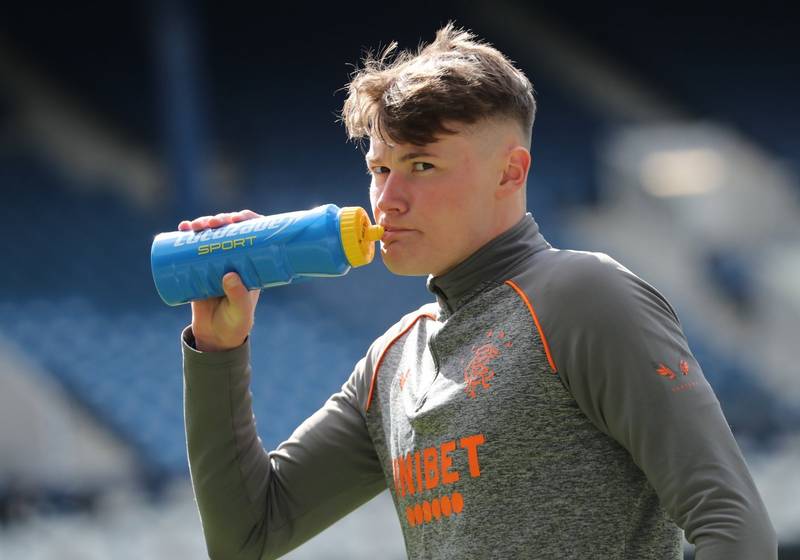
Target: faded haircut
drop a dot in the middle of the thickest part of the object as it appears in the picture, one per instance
(408, 97)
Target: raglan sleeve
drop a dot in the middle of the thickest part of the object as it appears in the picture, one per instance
(259, 504)
(619, 348)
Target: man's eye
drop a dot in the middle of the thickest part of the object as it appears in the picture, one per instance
(378, 170)
(419, 166)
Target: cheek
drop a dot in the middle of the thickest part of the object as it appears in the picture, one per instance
(464, 208)
(459, 197)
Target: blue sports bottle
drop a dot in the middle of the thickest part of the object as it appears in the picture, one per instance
(265, 252)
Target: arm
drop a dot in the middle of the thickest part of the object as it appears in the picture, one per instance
(257, 504)
(620, 350)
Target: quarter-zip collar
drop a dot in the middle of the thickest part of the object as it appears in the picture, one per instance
(492, 263)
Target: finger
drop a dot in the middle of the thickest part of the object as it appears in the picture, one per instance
(215, 221)
(236, 292)
(185, 225)
(254, 297)
(200, 223)
(243, 215)
(221, 219)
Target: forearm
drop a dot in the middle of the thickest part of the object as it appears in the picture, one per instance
(733, 541)
(229, 468)
(259, 505)
(717, 503)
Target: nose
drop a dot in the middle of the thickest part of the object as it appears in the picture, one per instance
(392, 195)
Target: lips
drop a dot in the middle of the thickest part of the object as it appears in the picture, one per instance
(392, 233)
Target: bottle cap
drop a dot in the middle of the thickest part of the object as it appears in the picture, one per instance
(358, 235)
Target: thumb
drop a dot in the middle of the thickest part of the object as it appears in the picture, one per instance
(235, 290)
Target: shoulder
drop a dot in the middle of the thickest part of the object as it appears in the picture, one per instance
(584, 285)
(564, 273)
(582, 300)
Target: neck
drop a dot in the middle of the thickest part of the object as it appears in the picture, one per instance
(494, 262)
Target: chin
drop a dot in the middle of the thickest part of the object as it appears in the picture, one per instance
(404, 267)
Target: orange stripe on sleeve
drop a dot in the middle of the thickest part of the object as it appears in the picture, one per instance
(536, 321)
(386, 349)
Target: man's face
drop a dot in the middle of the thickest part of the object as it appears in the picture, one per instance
(435, 201)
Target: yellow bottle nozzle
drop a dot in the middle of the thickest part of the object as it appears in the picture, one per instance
(358, 235)
(374, 233)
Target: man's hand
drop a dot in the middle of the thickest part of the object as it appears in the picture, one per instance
(223, 323)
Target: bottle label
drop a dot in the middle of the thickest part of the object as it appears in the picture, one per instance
(226, 245)
(272, 224)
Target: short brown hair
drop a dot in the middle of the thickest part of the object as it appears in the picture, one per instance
(408, 97)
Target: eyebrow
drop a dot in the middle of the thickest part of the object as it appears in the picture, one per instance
(408, 156)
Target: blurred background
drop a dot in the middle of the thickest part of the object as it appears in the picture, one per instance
(667, 137)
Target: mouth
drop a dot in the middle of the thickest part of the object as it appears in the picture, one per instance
(391, 234)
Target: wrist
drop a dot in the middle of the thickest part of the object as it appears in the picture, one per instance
(209, 345)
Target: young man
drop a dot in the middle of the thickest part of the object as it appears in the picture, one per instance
(545, 406)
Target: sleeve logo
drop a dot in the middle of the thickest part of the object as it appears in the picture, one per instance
(683, 366)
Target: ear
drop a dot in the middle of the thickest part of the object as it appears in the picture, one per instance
(515, 172)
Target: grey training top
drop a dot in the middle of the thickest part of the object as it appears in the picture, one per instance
(546, 406)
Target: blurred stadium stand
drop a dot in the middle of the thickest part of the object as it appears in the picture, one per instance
(78, 299)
